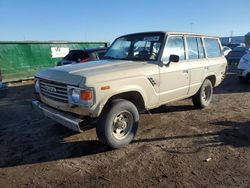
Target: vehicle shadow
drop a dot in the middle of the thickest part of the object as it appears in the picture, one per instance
(27, 137)
(236, 134)
(23, 148)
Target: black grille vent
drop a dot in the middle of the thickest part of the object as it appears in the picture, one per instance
(152, 81)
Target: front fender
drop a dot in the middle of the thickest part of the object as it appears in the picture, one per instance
(140, 85)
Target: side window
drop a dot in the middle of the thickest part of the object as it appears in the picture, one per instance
(200, 48)
(212, 47)
(193, 52)
(174, 46)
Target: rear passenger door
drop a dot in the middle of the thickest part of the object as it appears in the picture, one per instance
(198, 64)
(174, 78)
(216, 60)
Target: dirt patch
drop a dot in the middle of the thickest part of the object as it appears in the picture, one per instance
(176, 146)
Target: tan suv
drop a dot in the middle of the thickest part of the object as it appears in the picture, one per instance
(139, 72)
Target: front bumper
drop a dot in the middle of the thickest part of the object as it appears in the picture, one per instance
(66, 120)
(3, 90)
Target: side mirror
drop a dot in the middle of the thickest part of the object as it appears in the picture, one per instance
(174, 58)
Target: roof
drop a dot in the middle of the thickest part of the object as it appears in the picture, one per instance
(171, 32)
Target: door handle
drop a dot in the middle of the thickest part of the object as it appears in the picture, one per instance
(185, 71)
(206, 68)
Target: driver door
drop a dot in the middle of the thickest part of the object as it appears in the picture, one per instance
(174, 77)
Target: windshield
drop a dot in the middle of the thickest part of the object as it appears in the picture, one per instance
(140, 47)
(76, 55)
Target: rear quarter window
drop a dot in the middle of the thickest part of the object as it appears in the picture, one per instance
(212, 47)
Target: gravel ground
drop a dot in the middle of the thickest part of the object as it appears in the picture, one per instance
(176, 146)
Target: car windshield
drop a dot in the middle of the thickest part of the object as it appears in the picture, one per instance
(75, 55)
(138, 47)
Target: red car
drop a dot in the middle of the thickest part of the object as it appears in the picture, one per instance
(81, 56)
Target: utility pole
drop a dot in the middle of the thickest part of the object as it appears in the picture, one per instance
(231, 36)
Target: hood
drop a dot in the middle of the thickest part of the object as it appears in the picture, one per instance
(55, 75)
(95, 71)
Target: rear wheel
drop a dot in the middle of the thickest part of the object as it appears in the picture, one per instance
(203, 97)
(118, 124)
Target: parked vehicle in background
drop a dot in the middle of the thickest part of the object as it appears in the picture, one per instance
(233, 45)
(236, 54)
(3, 87)
(244, 68)
(81, 56)
(226, 50)
(139, 72)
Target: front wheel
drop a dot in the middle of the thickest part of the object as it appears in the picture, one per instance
(118, 124)
(203, 97)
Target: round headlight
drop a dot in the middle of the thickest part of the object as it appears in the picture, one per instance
(75, 95)
(37, 86)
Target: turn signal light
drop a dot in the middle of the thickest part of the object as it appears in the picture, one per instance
(86, 95)
(105, 87)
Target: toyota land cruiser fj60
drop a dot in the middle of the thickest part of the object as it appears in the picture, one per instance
(139, 72)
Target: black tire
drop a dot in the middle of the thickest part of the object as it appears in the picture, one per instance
(203, 97)
(114, 119)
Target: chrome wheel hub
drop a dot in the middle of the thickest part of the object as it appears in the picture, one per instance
(122, 124)
(206, 93)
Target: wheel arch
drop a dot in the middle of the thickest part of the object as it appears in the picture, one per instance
(133, 96)
(212, 79)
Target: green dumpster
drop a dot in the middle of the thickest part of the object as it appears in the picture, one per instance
(20, 60)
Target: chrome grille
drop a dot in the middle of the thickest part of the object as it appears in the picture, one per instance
(54, 90)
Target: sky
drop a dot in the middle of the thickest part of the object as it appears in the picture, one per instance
(104, 20)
